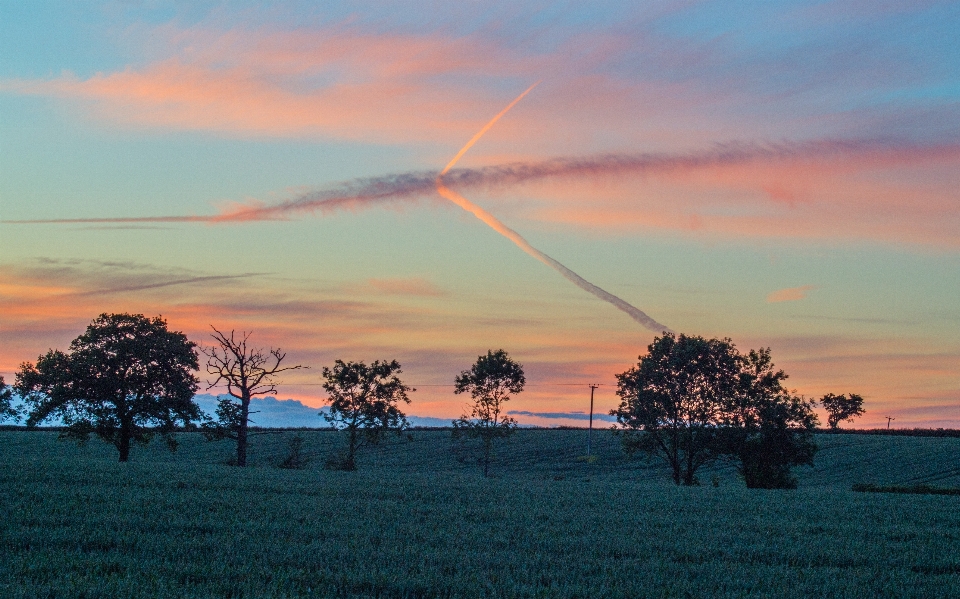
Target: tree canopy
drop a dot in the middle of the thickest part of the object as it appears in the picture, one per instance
(691, 400)
(7, 409)
(675, 395)
(125, 379)
(765, 427)
(364, 403)
(490, 381)
(841, 407)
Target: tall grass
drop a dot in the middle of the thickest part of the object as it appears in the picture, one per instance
(416, 522)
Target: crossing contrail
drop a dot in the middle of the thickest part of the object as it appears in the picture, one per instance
(413, 186)
(492, 221)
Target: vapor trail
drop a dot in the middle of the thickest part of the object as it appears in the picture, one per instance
(491, 221)
(359, 194)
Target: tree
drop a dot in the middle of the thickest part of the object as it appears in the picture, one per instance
(490, 381)
(766, 428)
(7, 409)
(672, 401)
(841, 407)
(247, 372)
(692, 400)
(125, 379)
(363, 402)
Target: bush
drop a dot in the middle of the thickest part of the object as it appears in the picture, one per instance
(295, 458)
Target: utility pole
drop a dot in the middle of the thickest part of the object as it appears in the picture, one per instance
(889, 418)
(590, 432)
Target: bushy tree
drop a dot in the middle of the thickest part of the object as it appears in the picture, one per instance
(125, 379)
(7, 409)
(247, 372)
(841, 407)
(363, 403)
(672, 401)
(490, 381)
(691, 400)
(766, 428)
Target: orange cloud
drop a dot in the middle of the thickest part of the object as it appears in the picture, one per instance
(437, 337)
(791, 294)
(893, 195)
(854, 190)
(415, 286)
(46, 304)
(345, 82)
(337, 82)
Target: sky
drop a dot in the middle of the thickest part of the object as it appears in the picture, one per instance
(783, 174)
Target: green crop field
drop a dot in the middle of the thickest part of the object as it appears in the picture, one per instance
(416, 521)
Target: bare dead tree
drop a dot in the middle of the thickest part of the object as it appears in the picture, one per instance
(247, 373)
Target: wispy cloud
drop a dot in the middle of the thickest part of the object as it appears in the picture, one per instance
(416, 286)
(391, 82)
(331, 82)
(577, 415)
(739, 189)
(790, 294)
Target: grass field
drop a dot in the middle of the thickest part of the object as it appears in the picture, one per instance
(416, 522)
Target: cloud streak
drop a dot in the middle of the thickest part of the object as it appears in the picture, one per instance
(416, 286)
(791, 294)
(363, 193)
(563, 415)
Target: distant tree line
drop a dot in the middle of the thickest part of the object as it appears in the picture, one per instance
(689, 401)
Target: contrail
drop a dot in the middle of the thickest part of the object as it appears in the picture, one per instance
(491, 221)
(363, 193)
(128, 288)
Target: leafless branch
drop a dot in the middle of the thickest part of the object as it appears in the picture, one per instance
(246, 371)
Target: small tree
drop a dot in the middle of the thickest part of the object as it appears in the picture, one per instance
(363, 402)
(7, 409)
(247, 372)
(490, 381)
(841, 407)
(672, 401)
(767, 429)
(125, 379)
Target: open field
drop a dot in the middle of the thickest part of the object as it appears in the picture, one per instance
(416, 522)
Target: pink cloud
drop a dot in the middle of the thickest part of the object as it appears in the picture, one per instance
(337, 82)
(896, 195)
(790, 294)
(888, 192)
(414, 286)
(345, 82)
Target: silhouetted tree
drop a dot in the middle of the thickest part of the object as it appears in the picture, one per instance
(363, 403)
(766, 428)
(247, 372)
(7, 409)
(125, 379)
(672, 402)
(490, 381)
(841, 407)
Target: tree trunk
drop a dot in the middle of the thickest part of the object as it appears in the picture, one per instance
(242, 430)
(125, 435)
(123, 444)
(351, 463)
(486, 457)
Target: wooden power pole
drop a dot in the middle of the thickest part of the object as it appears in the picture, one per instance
(590, 431)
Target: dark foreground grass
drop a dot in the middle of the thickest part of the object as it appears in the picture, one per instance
(911, 490)
(416, 522)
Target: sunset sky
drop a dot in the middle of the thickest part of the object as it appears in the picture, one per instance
(784, 174)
